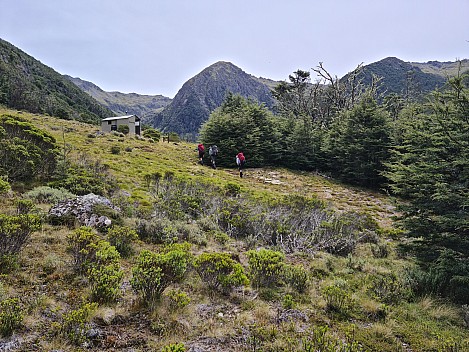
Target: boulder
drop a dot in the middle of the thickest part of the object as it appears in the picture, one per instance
(82, 209)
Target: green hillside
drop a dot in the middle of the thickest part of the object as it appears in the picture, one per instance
(346, 286)
(27, 84)
(124, 103)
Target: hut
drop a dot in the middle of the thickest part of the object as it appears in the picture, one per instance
(112, 123)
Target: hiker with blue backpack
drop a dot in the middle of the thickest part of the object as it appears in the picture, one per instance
(213, 152)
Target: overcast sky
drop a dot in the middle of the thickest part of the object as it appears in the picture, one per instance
(155, 46)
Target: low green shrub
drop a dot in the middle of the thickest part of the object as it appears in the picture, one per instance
(25, 206)
(154, 272)
(388, 288)
(122, 237)
(177, 299)
(115, 149)
(220, 271)
(380, 250)
(76, 322)
(105, 275)
(288, 302)
(8, 263)
(92, 177)
(337, 299)
(232, 189)
(266, 267)
(4, 186)
(15, 232)
(123, 129)
(157, 231)
(320, 339)
(296, 277)
(46, 194)
(175, 347)
(83, 244)
(152, 133)
(11, 316)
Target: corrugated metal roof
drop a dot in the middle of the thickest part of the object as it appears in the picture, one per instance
(117, 118)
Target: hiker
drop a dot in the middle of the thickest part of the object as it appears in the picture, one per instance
(201, 150)
(240, 161)
(213, 151)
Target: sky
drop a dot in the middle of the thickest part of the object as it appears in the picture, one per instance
(155, 46)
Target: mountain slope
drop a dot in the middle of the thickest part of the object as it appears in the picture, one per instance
(27, 84)
(443, 69)
(124, 103)
(206, 91)
(402, 78)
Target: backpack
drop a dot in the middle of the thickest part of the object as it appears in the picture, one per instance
(201, 148)
(213, 150)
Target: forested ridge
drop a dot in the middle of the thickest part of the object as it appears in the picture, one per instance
(27, 84)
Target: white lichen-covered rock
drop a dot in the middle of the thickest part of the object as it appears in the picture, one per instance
(82, 209)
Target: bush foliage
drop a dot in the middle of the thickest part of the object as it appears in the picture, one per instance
(220, 271)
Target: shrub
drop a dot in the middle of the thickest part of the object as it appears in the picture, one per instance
(177, 347)
(8, 263)
(26, 152)
(232, 189)
(320, 339)
(337, 299)
(105, 274)
(15, 231)
(83, 243)
(91, 177)
(122, 237)
(221, 237)
(4, 186)
(24, 206)
(297, 277)
(115, 149)
(123, 129)
(156, 231)
(177, 299)
(288, 302)
(380, 250)
(266, 267)
(220, 271)
(152, 134)
(388, 288)
(46, 194)
(154, 272)
(11, 316)
(75, 323)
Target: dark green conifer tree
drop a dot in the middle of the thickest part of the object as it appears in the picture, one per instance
(430, 170)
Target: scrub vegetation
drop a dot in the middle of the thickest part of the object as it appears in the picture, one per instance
(197, 259)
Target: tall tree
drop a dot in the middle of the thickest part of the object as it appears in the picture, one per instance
(242, 125)
(358, 144)
(430, 169)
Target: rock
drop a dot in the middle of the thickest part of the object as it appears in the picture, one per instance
(81, 208)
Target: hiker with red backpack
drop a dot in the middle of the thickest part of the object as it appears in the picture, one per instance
(240, 161)
(201, 150)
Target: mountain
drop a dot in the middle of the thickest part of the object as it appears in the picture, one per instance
(443, 69)
(27, 84)
(410, 78)
(124, 103)
(206, 91)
